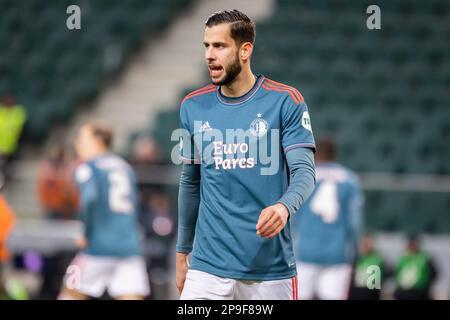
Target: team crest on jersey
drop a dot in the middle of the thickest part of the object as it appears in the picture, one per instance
(259, 126)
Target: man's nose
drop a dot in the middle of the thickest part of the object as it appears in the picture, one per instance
(209, 54)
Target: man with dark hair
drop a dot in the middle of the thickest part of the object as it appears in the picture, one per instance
(111, 251)
(329, 228)
(327, 150)
(248, 166)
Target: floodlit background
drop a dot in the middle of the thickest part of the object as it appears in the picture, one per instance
(384, 95)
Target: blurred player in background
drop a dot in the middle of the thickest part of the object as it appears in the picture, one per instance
(414, 273)
(56, 185)
(12, 120)
(111, 256)
(329, 227)
(11, 288)
(236, 211)
(362, 287)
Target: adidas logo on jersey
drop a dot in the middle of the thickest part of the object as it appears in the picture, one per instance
(205, 127)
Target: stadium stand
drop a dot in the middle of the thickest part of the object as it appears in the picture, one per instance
(53, 70)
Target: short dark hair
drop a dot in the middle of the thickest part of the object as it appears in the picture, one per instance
(326, 149)
(102, 132)
(242, 27)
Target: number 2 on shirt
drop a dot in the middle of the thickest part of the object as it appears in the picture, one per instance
(119, 192)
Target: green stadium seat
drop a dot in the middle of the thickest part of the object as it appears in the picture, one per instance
(167, 122)
(417, 74)
(379, 73)
(444, 74)
(383, 210)
(344, 72)
(42, 116)
(306, 71)
(329, 47)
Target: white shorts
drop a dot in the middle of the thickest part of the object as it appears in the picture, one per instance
(200, 285)
(323, 282)
(92, 275)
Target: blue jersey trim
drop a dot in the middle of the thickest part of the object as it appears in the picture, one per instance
(300, 145)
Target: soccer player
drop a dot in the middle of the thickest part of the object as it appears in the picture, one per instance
(111, 258)
(329, 229)
(248, 166)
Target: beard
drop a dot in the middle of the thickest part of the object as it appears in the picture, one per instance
(231, 72)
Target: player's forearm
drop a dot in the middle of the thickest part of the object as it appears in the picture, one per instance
(303, 178)
(188, 204)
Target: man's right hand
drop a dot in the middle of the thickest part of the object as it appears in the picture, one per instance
(181, 269)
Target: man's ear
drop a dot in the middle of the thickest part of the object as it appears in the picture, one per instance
(246, 50)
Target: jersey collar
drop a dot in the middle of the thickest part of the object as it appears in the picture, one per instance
(242, 99)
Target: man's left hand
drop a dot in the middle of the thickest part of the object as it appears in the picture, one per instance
(272, 220)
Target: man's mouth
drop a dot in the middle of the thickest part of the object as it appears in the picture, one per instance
(215, 70)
